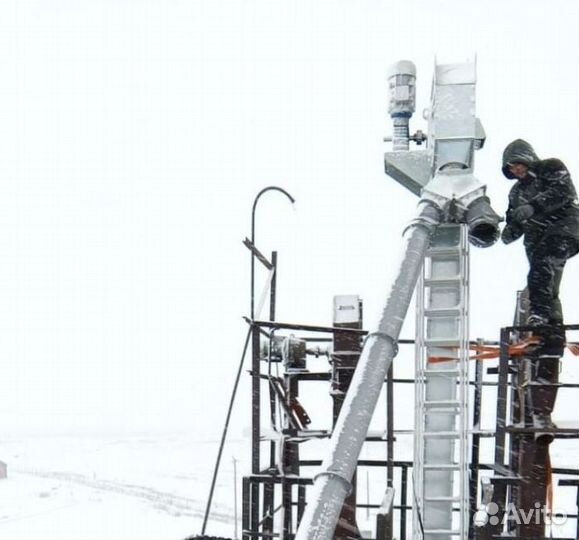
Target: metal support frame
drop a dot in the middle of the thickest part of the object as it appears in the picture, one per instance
(401, 469)
(256, 515)
(268, 494)
(258, 507)
(519, 476)
(255, 426)
(504, 479)
(268, 491)
(390, 441)
(475, 450)
(574, 483)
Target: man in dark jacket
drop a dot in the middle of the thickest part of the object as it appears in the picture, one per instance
(543, 208)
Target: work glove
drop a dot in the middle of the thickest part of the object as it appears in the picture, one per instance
(508, 235)
(524, 212)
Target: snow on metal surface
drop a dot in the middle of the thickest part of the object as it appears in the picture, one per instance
(331, 486)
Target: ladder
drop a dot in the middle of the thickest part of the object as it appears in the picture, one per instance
(440, 474)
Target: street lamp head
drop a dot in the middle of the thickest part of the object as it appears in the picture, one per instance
(271, 188)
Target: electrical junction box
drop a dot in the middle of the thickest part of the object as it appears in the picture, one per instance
(347, 309)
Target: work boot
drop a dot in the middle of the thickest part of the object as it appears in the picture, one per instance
(543, 421)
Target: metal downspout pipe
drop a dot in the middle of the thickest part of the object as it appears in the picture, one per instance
(332, 483)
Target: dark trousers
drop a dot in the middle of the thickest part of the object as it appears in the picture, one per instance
(544, 364)
(545, 376)
(546, 270)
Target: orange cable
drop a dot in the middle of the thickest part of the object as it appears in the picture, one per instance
(488, 352)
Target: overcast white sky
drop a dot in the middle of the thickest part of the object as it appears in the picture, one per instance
(135, 134)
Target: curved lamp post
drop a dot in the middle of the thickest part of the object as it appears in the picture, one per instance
(236, 384)
(264, 190)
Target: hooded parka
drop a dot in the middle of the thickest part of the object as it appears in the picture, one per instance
(548, 188)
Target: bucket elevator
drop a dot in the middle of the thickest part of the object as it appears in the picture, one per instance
(448, 490)
(443, 176)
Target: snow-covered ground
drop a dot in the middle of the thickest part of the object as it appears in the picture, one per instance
(148, 487)
(155, 487)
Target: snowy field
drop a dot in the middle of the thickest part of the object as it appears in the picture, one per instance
(154, 487)
(95, 488)
(147, 487)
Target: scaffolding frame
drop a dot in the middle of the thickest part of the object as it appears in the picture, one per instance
(259, 487)
(512, 432)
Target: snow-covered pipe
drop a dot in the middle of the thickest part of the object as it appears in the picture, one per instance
(332, 483)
